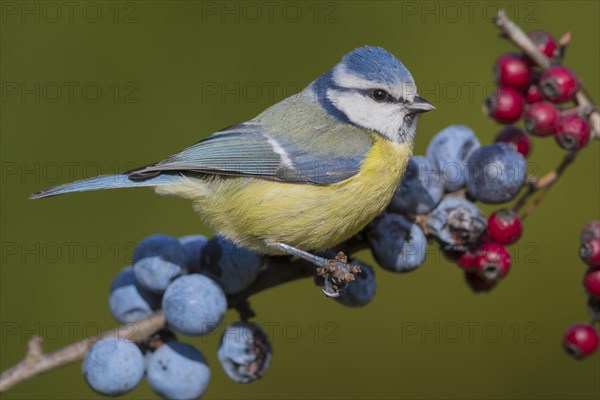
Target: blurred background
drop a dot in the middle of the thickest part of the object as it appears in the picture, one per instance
(100, 87)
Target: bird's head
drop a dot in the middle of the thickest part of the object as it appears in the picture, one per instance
(372, 89)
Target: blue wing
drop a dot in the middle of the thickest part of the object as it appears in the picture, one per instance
(292, 141)
(250, 150)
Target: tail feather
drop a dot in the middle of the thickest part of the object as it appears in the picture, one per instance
(104, 182)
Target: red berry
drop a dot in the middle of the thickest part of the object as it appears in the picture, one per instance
(467, 261)
(479, 284)
(492, 261)
(512, 70)
(504, 226)
(591, 282)
(533, 94)
(572, 132)
(544, 41)
(505, 105)
(540, 118)
(590, 252)
(559, 84)
(580, 340)
(516, 137)
(590, 231)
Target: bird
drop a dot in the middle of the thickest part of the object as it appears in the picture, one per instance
(304, 175)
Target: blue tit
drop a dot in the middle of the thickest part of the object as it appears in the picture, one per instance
(307, 173)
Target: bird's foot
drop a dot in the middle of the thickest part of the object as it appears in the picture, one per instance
(337, 274)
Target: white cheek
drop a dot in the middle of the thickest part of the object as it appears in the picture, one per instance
(383, 118)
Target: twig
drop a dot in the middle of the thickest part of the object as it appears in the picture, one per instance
(543, 185)
(521, 40)
(36, 362)
(563, 43)
(279, 270)
(516, 35)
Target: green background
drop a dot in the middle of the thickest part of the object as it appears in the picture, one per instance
(158, 64)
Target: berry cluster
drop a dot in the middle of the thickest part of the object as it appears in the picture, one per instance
(190, 278)
(436, 199)
(581, 339)
(193, 278)
(525, 91)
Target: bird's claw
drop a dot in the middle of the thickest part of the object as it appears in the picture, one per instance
(337, 275)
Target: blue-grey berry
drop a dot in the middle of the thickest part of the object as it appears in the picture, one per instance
(113, 366)
(448, 150)
(456, 222)
(157, 261)
(421, 189)
(496, 173)
(396, 243)
(194, 304)
(127, 300)
(177, 370)
(193, 245)
(244, 352)
(361, 290)
(233, 267)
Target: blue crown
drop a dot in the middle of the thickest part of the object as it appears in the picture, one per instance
(376, 64)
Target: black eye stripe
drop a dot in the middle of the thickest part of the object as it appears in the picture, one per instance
(367, 92)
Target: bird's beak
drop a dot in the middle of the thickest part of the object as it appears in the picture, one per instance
(420, 105)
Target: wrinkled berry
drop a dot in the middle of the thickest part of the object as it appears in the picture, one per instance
(244, 352)
(456, 222)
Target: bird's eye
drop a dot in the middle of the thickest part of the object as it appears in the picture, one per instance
(380, 95)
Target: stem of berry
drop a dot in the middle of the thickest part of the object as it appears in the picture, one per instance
(512, 32)
(543, 185)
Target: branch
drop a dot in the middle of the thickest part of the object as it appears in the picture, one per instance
(520, 39)
(543, 185)
(36, 362)
(279, 270)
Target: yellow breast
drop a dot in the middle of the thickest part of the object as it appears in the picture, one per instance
(310, 217)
